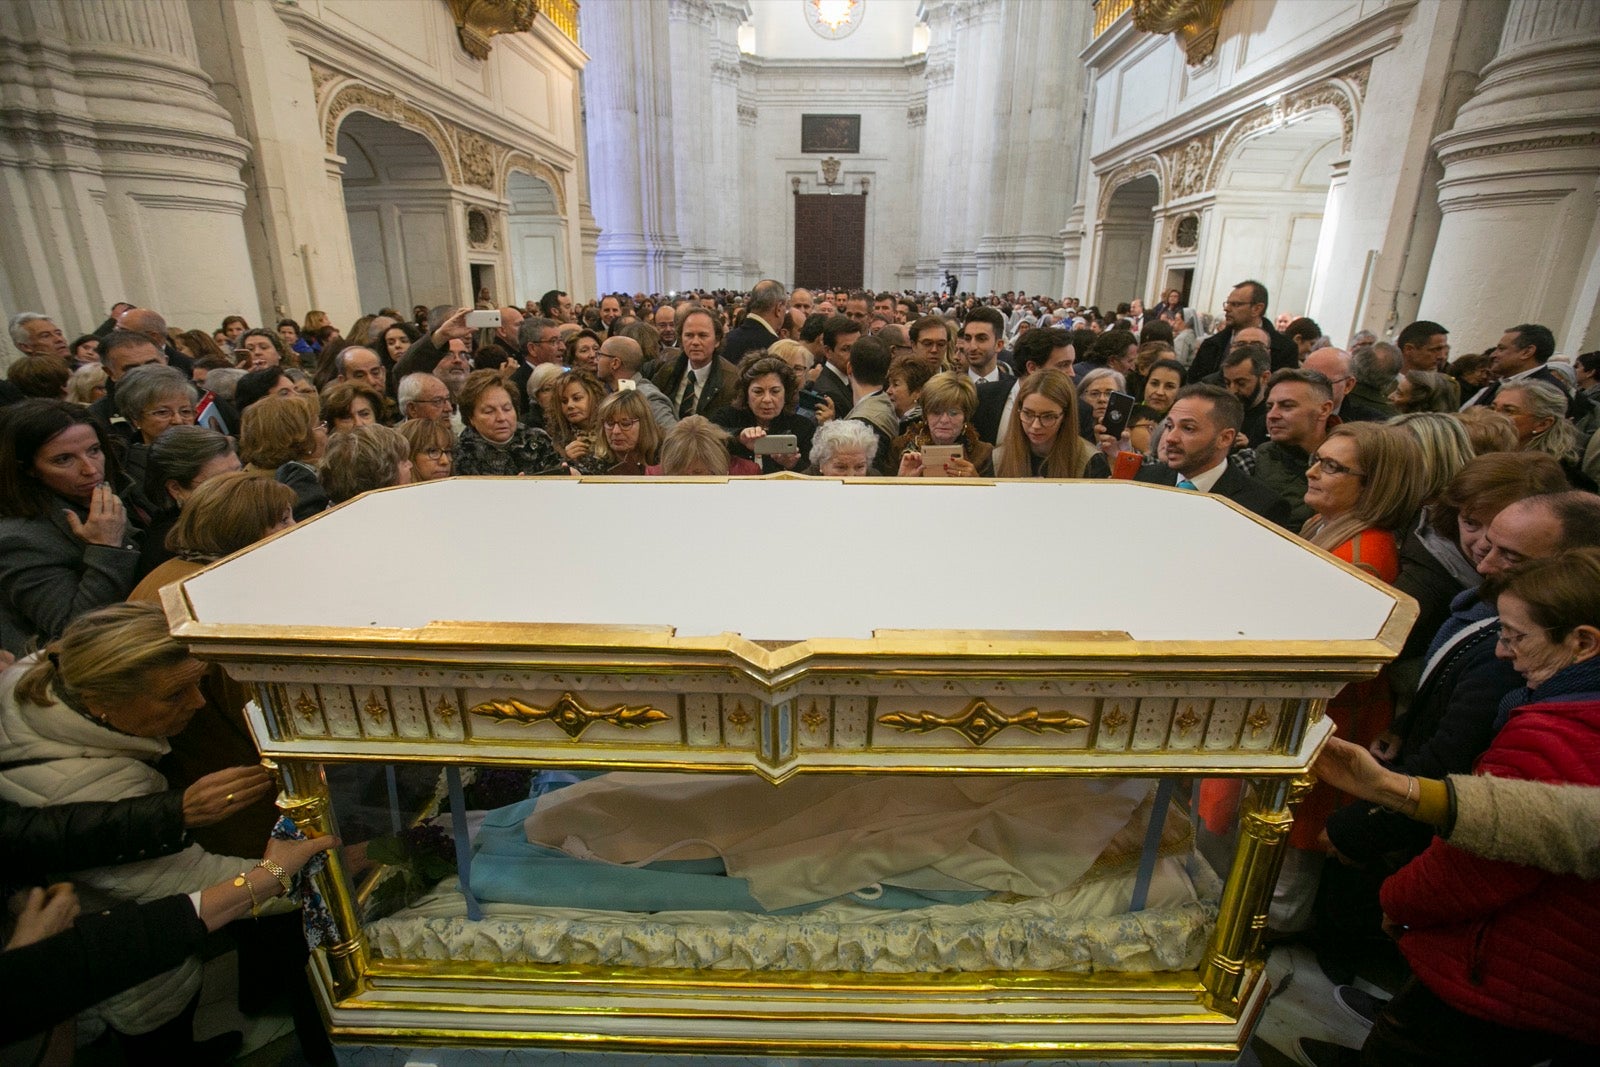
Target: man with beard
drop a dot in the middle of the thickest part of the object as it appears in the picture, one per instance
(1199, 432)
(1245, 306)
(1245, 370)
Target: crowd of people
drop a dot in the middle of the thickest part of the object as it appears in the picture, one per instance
(137, 453)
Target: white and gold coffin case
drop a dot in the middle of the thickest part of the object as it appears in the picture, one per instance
(787, 626)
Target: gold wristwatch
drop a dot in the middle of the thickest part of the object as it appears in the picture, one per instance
(279, 873)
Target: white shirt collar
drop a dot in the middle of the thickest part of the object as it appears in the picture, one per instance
(1205, 481)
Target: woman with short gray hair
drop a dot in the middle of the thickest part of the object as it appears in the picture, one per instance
(1539, 412)
(843, 448)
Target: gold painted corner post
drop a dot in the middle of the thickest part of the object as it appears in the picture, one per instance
(305, 800)
(1264, 822)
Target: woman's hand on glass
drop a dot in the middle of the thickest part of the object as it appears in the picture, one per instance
(292, 855)
(1352, 769)
(107, 520)
(224, 793)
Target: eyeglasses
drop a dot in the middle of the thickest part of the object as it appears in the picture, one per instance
(1237, 303)
(1511, 639)
(436, 454)
(623, 424)
(1047, 418)
(1331, 467)
(170, 413)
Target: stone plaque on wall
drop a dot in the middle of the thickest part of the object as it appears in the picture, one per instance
(830, 133)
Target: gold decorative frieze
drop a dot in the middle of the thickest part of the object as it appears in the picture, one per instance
(981, 721)
(375, 708)
(570, 714)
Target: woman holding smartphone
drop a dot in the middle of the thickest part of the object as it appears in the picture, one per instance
(948, 402)
(764, 406)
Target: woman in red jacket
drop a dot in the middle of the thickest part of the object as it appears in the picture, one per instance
(1506, 958)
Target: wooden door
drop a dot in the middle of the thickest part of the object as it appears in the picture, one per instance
(830, 241)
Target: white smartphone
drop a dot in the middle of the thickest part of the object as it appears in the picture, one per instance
(478, 320)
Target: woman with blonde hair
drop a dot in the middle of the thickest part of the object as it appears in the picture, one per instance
(1041, 440)
(696, 448)
(87, 384)
(85, 719)
(948, 402)
(541, 388)
(281, 437)
(1489, 431)
(1363, 492)
(629, 439)
(223, 515)
(572, 418)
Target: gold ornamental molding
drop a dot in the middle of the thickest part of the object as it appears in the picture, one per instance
(358, 97)
(1193, 22)
(981, 721)
(571, 715)
(477, 21)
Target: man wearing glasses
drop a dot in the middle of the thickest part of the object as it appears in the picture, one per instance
(1245, 307)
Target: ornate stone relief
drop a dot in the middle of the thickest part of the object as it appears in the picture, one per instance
(1181, 233)
(916, 114)
(1194, 22)
(477, 158)
(747, 114)
(1334, 94)
(1188, 163)
(479, 20)
(483, 229)
(358, 97)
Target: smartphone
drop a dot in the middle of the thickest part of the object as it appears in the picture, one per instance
(1118, 410)
(936, 458)
(478, 320)
(810, 399)
(775, 444)
(1126, 465)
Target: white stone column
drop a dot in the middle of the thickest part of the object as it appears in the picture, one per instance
(119, 171)
(689, 28)
(1521, 178)
(617, 148)
(941, 126)
(724, 233)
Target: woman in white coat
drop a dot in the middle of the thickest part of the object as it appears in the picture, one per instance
(82, 720)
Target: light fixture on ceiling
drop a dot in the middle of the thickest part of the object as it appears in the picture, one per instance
(834, 18)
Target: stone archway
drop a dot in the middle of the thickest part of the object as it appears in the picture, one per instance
(537, 235)
(1268, 207)
(1126, 232)
(399, 207)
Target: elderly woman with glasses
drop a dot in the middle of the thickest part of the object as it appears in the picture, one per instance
(1503, 956)
(432, 446)
(153, 399)
(948, 402)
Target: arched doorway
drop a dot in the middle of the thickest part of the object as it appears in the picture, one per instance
(1126, 234)
(538, 236)
(1268, 215)
(397, 199)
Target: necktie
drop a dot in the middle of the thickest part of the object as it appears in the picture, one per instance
(686, 406)
(1184, 483)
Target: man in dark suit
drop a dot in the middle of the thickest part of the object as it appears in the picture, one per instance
(838, 334)
(1522, 354)
(1048, 348)
(1200, 429)
(698, 381)
(1246, 306)
(764, 313)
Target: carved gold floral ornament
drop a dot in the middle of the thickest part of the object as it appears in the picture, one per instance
(1193, 22)
(570, 714)
(479, 20)
(981, 721)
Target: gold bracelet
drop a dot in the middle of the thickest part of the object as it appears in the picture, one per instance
(1411, 795)
(244, 880)
(279, 873)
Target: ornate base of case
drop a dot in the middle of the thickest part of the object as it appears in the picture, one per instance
(1015, 1016)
